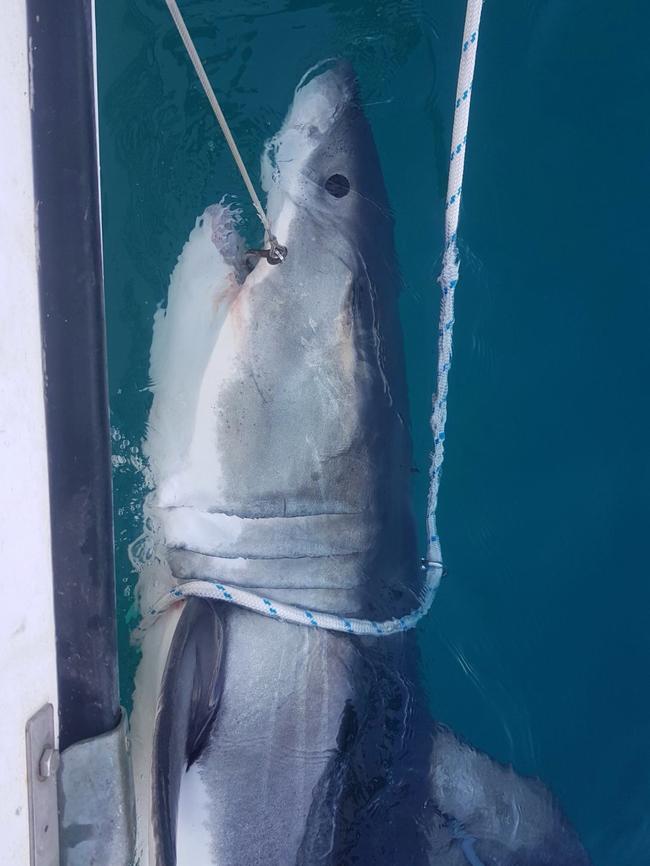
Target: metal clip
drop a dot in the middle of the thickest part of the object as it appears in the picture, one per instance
(433, 564)
(276, 253)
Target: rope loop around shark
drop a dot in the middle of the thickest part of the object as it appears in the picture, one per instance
(294, 613)
(432, 566)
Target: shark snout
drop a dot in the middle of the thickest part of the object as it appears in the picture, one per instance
(321, 97)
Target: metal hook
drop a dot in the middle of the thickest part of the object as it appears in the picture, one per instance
(276, 253)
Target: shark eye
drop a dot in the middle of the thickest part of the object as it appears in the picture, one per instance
(337, 185)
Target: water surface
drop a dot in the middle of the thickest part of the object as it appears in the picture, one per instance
(537, 647)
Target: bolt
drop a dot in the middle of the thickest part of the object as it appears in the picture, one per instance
(49, 763)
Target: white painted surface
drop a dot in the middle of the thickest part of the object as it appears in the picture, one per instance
(27, 659)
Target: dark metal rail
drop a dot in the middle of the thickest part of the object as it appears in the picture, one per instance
(72, 311)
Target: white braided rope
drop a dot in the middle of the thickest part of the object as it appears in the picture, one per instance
(450, 263)
(205, 588)
(432, 568)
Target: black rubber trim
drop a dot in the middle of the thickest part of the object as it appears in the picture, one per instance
(72, 313)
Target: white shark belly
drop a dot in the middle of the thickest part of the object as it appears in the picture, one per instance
(194, 843)
(247, 798)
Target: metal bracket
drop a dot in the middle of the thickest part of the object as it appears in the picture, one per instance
(97, 818)
(42, 766)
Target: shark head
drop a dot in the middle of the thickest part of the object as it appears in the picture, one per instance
(323, 160)
(289, 442)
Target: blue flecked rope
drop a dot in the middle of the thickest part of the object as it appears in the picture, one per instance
(450, 263)
(448, 279)
(204, 588)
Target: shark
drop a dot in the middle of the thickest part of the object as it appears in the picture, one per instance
(280, 457)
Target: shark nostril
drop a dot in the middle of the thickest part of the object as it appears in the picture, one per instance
(337, 185)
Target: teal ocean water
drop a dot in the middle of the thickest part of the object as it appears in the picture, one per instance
(538, 645)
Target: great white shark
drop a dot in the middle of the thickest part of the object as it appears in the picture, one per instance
(280, 457)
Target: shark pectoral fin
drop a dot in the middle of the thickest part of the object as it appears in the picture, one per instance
(496, 815)
(187, 705)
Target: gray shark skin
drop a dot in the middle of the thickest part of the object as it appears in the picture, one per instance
(285, 468)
